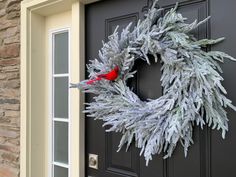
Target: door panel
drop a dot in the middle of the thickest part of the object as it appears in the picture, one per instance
(178, 165)
(223, 151)
(101, 19)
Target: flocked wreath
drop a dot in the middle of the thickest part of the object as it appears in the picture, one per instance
(192, 89)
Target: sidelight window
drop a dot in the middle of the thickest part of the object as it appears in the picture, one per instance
(60, 104)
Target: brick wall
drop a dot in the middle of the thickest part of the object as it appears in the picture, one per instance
(9, 88)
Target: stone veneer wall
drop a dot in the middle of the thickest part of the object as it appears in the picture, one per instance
(9, 88)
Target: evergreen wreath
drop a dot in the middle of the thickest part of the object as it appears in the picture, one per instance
(191, 82)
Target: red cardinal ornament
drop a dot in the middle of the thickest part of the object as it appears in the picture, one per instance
(111, 76)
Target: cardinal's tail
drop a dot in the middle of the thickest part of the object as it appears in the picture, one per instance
(90, 82)
(100, 76)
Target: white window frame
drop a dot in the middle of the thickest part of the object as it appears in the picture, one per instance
(52, 119)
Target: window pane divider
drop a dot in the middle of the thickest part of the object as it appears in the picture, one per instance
(61, 75)
(59, 164)
(61, 119)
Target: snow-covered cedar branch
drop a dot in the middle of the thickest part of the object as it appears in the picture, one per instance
(191, 81)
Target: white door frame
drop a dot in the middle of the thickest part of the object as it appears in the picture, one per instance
(34, 91)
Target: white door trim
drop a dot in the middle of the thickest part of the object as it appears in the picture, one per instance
(33, 152)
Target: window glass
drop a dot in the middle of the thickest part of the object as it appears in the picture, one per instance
(61, 142)
(61, 53)
(61, 97)
(60, 171)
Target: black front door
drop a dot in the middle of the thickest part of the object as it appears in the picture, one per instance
(210, 156)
